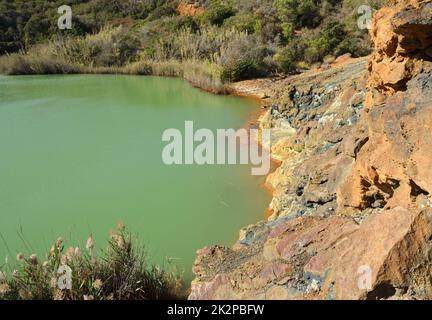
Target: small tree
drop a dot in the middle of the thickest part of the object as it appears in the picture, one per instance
(216, 13)
(298, 13)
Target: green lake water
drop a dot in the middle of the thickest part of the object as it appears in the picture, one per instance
(80, 153)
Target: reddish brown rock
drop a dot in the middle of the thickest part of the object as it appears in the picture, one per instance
(390, 245)
(332, 258)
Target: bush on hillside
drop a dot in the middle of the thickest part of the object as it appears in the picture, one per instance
(247, 22)
(326, 42)
(242, 58)
(110, 47)
(216, 13)
(300, 13)
(285, 60)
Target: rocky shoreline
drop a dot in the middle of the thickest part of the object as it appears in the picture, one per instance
(351, 208)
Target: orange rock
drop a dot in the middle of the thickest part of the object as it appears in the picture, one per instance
(398, 33)
(189, 9)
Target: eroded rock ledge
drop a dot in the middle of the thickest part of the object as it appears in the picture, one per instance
(352, 216)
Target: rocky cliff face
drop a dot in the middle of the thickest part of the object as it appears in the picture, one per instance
(352, 216)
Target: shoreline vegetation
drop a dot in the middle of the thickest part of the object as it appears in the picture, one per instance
(200, 74)
(120, 272)
(209, 43)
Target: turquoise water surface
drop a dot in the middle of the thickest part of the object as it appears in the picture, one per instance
(80, 153)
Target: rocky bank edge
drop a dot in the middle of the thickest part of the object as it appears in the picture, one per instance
(352, 195)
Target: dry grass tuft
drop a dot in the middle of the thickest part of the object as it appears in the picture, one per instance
(121, 272)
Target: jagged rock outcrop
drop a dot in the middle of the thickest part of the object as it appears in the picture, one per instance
(351, 212)
(402, 35)
(393, 167)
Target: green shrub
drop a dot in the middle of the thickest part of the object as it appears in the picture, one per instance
(327, 42)
(179, 22)
(347, 45)
(242, 58)
(165, 10)
(316, 49)
(284, 60)
(35, 30)
(300, 13)
(287, 30)
(247, 22)
(216, 13)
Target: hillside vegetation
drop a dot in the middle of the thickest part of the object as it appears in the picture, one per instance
(211, 43)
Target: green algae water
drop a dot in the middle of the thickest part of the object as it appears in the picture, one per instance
(80, 153)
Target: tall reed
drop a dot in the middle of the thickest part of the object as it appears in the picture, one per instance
(120, 272)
